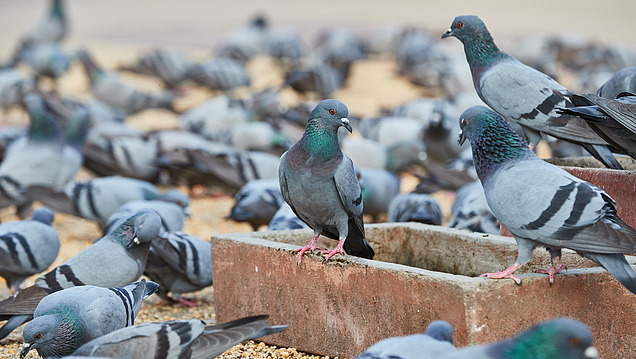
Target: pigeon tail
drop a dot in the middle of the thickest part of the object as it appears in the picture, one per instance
(603, 154)
(356, 244)
(618, 267)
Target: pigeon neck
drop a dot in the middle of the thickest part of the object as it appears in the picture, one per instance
(57, 10)
(70, 333)
(481, 52)
(534, 344)
(320, 142)
(43, 127)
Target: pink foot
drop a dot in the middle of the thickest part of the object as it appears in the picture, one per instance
(183, 302)
(312, 246)
(337, 250)
(552, 271)
(507, 274)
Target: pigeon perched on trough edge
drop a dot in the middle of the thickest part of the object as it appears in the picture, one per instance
(542, 204)
(319, 183)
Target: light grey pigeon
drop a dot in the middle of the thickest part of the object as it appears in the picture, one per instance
(319, 183)
(379, 187)
(13, 86)
(65, 320)
(315, 76)
(558, 338)
(623, 80)
(522, 94)
(53, 27)
(178, 339)
(115, 260)
(219, 74)
(180, 263)
(257, 202)
(435, 343)
(171, 212)
(414, 207)
(47, 59)
(245, 43)
(110, 89)
(542, 204)
(285, 219)
(470, 210)
(27, 247)
(168, 64)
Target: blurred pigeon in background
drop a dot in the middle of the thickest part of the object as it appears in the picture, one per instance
(168, 64)
(257, 202)
(53, 27)
(470, 210)
(415, 207)
(623, 80)
(379, 187)
(285, 219)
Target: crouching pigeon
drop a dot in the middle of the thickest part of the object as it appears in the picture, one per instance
(542, 204)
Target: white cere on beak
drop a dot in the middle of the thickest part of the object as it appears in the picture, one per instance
(136, 240)
(449, 30)
(345, 120)
(591, 353)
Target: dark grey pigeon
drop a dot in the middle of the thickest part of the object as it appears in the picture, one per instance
(555, 339)
(178, 339)
(435, 343)
(470, 210)
(53, 27)
(415, 207)
(624, 80)
(115, 260)
(522, 94)
(612, 119)
(285, 219)
(168, 64)
(27, 247)
(257, 202)
(319, 183)
(180, 263)
(542, 204)
(65, 320)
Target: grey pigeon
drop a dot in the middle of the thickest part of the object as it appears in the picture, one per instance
(219, 74)
(245, 43)
(46, 59)
(470, 210)
(178, 339)
(612, 119)
(13, 87)
(110, 89)
(171, 211)
(52, 28)
(522, 94)
(27, 247)
(168, 64)
(542, 204)
(623, 80)
(319, 182)
(558, 338)
(285, 219)
(285, 45)
(257, 202)
(379, 187)
(435, 343)
(214, 116)
(65, 320)
(315, 76)
(180, 263)
(415, 207)
(115, 260)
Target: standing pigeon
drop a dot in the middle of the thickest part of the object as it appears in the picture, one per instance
(542, 204)
(172, 213)
(257, 202)
(555, 339)
(319, 183)
(522, 94)
(53, 27)
(27, 247)
(436, 342)
(178, 339)
(13, 86)
(65, 320)
(168, 64)
(115, 260)
(414, 207)
(180, 263)
(470, 210)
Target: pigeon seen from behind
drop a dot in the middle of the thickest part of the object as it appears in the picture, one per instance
(542, 204)
(319, 183)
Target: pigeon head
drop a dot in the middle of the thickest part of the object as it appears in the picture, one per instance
(467, 27)
(43, 334)
(142, 227)
(440, 330)
(558, 338)
(479, 46)
(92, 70)
(330, 115)
(44, 215)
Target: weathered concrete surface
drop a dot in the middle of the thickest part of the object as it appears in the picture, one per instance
(341, 307)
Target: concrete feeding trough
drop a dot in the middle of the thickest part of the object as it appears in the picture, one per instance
(420, 273)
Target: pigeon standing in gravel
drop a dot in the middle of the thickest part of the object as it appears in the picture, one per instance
(555, 339)
(436, 342)
(470, 210)
(219, 74)
(257, 202)
(115, 260)
(172, 212)
(168, 64)
(415, 207)
(178, 339)
(319, 182)
(65, 320)
(53, 27)
(27, 247)
(180, 263)
(542, 204)
(522, 94)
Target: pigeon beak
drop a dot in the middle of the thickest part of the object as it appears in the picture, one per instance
(590, 353)
(26, 347)
(134, 241)
(448, 33)
(461, 138)
(346, 124)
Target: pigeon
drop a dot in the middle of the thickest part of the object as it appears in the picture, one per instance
(115, 260)
(257, 202)
(319, 183)
(46, 59)
(180, 263)
(470, 210)
(555, 339)
(27, 247)
(623, 80)
(178, 339)
(522, 94)
(613, 119)
(110, 89)
(214, 116)
(168, 64)
(379, 187)
(171, 210)
(13, 87)
(245, 43)
(315, 76)
(285, 45)
(436, 342)
(285, 219)
(219, 74)
(65, 320)
(414, 207)
(542, 204)
(53, 28)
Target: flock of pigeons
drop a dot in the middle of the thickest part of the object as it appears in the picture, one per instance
(291, 168)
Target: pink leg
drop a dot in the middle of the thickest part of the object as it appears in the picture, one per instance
(334, 251)
(553, 269)
(507, 274)
(310, 247)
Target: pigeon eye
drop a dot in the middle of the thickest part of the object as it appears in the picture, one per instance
(575, 341)
(331, 111)
(464, 122)
(38, 336)
(459, 25)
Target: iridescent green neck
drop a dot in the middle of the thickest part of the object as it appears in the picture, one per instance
(539, 343)
(43, 126)
(320, 142)
(57, 9)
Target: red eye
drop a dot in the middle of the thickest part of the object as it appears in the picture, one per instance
(575, 340)
(464, 122)
(459, 25)
(331, 111)
(37, 336)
